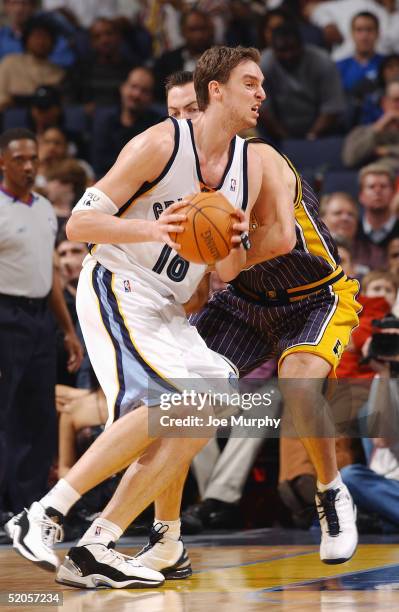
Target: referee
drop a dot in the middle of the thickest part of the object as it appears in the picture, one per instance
(30, 294)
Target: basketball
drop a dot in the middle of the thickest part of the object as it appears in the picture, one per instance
(207, 229)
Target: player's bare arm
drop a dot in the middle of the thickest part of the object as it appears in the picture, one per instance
(232, 265)
(141, 160)
(199, 297)
(274, 208)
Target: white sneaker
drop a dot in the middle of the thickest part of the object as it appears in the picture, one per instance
(9, 527)
(34, 535)
(337, 515)
(165, 555)
(97, 565)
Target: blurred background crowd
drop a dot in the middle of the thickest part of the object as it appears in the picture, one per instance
(87, 76)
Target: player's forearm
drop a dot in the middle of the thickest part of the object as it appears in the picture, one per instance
(270, 242)
(232, 265)
(199, 298)
(100, 228)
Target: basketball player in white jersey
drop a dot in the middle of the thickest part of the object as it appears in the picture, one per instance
(130, 297)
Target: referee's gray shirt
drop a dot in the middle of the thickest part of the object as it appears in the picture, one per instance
(27, 239)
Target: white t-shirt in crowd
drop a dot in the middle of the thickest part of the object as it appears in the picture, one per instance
(87, 11)
(341, 12)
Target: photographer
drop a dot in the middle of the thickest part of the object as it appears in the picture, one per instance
(375, 487)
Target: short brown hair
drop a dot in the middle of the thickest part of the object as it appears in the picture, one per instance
(216, 64)
(178, 79)
(374, 275)
(69, 171)
(377, 168)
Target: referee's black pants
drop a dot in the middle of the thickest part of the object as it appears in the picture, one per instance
(28, 424)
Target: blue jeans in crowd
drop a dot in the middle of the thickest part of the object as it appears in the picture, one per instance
(372, 492)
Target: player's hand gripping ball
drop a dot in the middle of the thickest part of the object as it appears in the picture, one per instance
(208, 228)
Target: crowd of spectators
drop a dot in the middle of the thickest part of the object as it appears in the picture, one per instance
(86, 77)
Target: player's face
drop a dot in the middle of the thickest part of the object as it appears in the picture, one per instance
(19, 164)
(341, 218)
(382, 288)
(244, 94)
(182, 102)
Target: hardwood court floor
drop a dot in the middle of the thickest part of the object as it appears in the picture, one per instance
(252, 575)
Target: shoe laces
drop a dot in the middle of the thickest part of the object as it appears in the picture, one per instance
(116, 559)
(326, 509)
(157, 533)
(52, 532)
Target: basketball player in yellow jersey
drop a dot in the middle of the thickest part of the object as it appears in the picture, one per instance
(129, 303)
(295, 303)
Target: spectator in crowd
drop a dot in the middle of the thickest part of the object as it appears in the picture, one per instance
(375, 486)
(299, 11)
(87, 11)
(340, 213)
(335, 18)
(392, 40)
(22, 73)
(95, 81)
(197, 31)
(270, 21)
(70, 256)
(18, 12)
(46, 110)
(393, 267)
(304, 93)
(86, 409)
(378, 294)
(365, 61)
(379, 140)
(66, 183)
(378, 225)
(345, 256)
(29, 294)
(240, 24)
(373, 91)
(53, 149)
(115, 126)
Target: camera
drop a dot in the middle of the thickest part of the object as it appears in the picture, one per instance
(385, 344)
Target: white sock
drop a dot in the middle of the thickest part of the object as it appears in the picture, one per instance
(334, 484)
(61, 497)
(101, 531)
(173, 531)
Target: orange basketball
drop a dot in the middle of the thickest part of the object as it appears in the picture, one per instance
(207, 229)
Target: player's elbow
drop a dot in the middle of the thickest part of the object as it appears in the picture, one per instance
(73, 228)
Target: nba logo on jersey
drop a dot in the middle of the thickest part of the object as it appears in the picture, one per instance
(126, 286)
(97, 531)
(233, 184)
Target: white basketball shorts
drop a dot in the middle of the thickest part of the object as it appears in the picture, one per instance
(136, 338)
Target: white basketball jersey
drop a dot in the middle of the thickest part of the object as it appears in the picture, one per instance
(152, 263)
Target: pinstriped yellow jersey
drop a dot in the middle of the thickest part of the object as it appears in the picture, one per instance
(314, 256)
